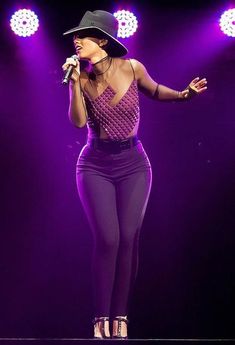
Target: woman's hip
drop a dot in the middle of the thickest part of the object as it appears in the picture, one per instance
(128, 160)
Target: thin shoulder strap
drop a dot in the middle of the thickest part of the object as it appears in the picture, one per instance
(132, 68)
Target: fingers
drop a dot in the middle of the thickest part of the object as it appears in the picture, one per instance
(195, 80)
(202, 89)
(202, 82)
(199, 85)
(69, 62)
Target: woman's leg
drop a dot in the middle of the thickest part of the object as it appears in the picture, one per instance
(98, 198)
(132, 197)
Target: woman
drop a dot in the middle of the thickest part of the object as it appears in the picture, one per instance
(113, 171)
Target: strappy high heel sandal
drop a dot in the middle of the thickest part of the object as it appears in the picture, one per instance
(119, 320)
(101, 328)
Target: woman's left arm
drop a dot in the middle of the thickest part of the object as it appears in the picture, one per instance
(163, 93)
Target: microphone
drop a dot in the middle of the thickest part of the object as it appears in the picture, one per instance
(69, 71)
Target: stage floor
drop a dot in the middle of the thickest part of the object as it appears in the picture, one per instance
(80, 341)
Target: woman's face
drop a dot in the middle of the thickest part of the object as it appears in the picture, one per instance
(86, 47)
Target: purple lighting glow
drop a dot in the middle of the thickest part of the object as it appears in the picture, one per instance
(127, 23)
(24, 23)
(227, 22)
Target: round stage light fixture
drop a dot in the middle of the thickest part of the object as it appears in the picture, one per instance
(227, 22)
(127, 23)
(24, 22)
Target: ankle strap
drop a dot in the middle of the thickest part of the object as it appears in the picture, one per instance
(100, 319)
(120, 319)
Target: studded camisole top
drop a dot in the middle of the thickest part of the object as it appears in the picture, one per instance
(112, 100)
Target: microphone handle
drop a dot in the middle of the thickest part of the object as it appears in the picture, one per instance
(69, 71)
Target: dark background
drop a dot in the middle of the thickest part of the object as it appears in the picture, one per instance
(185, 286)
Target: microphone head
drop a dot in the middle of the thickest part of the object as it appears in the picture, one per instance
(75, 57)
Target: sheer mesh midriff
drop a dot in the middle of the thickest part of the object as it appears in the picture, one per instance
(112, 101)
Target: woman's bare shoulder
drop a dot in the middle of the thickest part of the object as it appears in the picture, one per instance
(138, 67)
(136, 63)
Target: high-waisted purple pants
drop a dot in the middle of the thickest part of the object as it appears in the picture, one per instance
(114, 190)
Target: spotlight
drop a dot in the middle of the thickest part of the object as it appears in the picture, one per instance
(24, 23)
(127, 23)
(227, 22)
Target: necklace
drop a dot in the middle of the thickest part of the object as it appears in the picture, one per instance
(104, 59)
(101, 60)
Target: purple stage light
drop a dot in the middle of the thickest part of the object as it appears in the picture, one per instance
(227, 22)
(24, 23)
(127, 23)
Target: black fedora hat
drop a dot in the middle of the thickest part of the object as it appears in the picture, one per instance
(101, 23)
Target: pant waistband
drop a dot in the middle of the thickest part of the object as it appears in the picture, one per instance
(113, 146)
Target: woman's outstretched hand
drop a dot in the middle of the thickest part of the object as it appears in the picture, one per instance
(196, 87)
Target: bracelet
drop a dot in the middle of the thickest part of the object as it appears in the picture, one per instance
(192, 93)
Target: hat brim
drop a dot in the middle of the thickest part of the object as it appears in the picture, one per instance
(115, 48)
